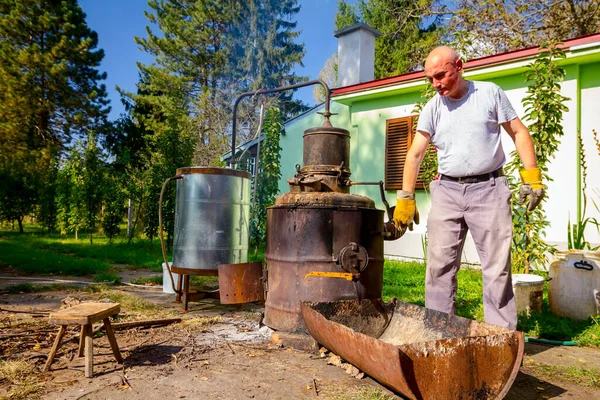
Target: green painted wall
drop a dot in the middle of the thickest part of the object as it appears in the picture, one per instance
(590, 75)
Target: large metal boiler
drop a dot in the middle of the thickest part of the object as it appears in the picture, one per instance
(323, 243)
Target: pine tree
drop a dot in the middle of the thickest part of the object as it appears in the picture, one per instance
(266, 32)
(49, 93)
(346, 15)
(48, 71)
(208, 53)
(181, 91)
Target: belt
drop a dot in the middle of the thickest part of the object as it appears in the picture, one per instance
(474, 178)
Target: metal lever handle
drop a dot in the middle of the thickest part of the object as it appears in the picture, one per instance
(389, 210)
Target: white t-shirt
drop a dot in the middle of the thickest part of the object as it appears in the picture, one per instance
(466, 131)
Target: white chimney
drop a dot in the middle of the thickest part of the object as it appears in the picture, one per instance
(356, 54)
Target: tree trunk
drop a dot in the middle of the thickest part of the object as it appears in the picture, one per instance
(20, 221)
(129, 218)
(135, 221)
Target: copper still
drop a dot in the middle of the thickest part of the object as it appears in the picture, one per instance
(323, 243)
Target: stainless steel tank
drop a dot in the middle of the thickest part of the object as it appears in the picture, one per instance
(212, 213)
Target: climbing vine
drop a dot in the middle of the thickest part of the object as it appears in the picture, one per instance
(268, 173)
(429, 165)
(544, 107)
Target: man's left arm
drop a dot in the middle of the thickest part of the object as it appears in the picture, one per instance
(523, 142)
(531, 189)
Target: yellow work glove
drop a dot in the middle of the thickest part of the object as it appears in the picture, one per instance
(406, 210)
(531, 189)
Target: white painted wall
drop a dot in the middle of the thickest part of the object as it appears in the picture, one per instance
(590, 111)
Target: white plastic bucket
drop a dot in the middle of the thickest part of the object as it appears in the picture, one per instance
(574, 288)
(529, 292)
(167, 286)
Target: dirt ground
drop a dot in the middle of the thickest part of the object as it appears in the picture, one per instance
(216, 352)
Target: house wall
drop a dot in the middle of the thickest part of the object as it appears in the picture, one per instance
(366, 122)
(590, 120)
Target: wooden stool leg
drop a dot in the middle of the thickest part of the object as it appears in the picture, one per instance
(55, 346)
(113, 341)
(89, 352)
(81, 341)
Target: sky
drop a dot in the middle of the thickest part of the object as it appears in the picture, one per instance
(117, 22)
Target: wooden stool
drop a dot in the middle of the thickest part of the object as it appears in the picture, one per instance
(85, 314)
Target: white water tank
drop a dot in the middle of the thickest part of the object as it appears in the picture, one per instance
(574, 287)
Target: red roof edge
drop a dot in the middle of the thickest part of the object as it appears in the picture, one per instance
(471, 64)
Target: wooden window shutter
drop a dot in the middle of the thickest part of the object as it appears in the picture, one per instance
(399, 133)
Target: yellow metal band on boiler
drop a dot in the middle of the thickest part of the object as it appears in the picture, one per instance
(342, 275)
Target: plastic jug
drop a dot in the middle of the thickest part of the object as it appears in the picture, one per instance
(574, 287)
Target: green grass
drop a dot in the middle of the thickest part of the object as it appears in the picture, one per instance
(406, 281)
(135, 308)
(148, 280)
(197, 282)
(107, 277)
(21, 381)
(204, 282)
(31, 288)
(25, 255)
(588, 377)
(33, 252)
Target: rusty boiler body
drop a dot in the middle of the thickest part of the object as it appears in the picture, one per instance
(318, 235)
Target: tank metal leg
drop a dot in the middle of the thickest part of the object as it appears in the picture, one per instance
(179, 284)
(186, 292)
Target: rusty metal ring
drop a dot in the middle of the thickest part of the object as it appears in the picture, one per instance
(351, 256)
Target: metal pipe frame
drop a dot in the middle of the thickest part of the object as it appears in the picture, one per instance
(326, 113)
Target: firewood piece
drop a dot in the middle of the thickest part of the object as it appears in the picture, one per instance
(151, 322)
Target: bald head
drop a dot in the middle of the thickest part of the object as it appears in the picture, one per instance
(441, 55)
(443, 69)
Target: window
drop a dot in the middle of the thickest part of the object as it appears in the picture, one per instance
(252, 165)
(399, 133)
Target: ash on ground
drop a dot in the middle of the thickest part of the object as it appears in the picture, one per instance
(233, 330)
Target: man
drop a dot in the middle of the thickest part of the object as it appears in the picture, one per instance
(463, 122)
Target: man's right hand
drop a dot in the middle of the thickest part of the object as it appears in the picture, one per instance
(532, 190)
(406, 210)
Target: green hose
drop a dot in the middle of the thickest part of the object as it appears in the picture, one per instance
(552, 342)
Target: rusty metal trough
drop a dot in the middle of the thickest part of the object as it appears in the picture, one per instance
(418, 352)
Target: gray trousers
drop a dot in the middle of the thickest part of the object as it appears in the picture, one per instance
(484, 209)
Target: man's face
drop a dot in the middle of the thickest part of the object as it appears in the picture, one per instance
(444, 76)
